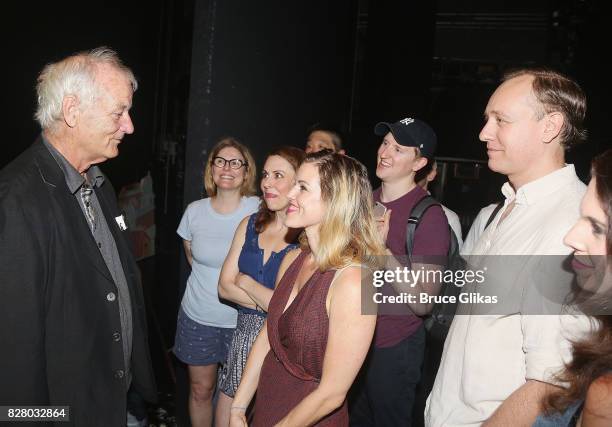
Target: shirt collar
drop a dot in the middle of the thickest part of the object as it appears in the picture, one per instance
(74, 180)
(534, 191)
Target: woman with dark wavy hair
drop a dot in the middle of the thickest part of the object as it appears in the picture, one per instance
(587, 401)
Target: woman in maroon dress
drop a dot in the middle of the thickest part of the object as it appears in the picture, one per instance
(316, 338)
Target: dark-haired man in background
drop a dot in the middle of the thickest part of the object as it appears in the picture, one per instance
(322, 138)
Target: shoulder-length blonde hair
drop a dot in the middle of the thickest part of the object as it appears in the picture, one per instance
(347, 233)
(248, 185)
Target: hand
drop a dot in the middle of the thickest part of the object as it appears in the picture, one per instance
(382, 224)
(238, 419)
(243, 280)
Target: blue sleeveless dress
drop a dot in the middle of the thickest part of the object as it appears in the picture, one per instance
(567, 418)
(249, 321)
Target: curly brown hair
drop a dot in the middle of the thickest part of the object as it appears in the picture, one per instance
(592, 356)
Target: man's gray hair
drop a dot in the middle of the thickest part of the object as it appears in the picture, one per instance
(74, 75)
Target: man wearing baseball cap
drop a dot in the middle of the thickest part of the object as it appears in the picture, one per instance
(385, 392)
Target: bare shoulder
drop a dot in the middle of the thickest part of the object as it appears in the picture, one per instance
(243, 224)
(290, 256)
(599, 397)
(601, 387)
(347, 280)
(240, 233)
(288, 259)
(350, 293)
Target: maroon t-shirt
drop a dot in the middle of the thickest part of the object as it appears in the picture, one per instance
(431, 238)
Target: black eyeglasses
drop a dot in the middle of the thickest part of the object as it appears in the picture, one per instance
(220, 162)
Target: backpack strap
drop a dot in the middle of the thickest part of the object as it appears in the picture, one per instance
(415, 218)
(493, 214)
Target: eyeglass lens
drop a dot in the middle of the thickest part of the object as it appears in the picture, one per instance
(220, 162)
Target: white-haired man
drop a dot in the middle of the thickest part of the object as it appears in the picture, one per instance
(72, 317)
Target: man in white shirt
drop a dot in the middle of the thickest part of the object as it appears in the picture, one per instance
(495, 368)
(477, 228)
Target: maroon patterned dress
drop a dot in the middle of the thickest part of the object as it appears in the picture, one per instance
(292, 368)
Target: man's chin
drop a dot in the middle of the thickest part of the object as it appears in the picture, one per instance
(495, 166)
(380, 173)
(113, 152)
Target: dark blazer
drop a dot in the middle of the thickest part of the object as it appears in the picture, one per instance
(59, 317)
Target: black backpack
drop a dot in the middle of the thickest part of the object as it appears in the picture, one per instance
(439, 320)
(437, 323)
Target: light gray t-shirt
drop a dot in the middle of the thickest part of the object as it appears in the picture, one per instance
(211, 235)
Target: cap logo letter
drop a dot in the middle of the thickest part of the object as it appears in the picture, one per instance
(407, 121)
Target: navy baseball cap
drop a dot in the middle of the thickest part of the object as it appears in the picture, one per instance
(411, 133)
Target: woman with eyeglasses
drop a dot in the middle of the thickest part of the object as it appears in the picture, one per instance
(249, 272)
(205, 324)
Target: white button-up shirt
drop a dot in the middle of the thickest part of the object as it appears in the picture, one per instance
(487, 357)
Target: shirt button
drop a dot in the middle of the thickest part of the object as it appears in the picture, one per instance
(110, 296)
(119, 373)
(116, 336)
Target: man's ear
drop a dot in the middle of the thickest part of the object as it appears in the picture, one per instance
(419, 164)
(553, 125)
(70, 110)
(432, 174)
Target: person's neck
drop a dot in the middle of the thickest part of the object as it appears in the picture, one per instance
(226, 201)
(312, 235)
(548, 166)
(278, 227)
(67, 148)
(390, 191)
(279, 219)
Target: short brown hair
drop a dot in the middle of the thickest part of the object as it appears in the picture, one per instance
(248, 185)
(557, 92)
(334, 135)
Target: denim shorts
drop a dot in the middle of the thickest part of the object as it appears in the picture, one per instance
(199, 345)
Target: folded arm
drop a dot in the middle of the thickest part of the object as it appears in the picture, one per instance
(228, 289)
(260, 294)
(250, 376)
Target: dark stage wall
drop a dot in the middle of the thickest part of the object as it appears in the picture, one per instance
(35, 33)
(263, 72)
